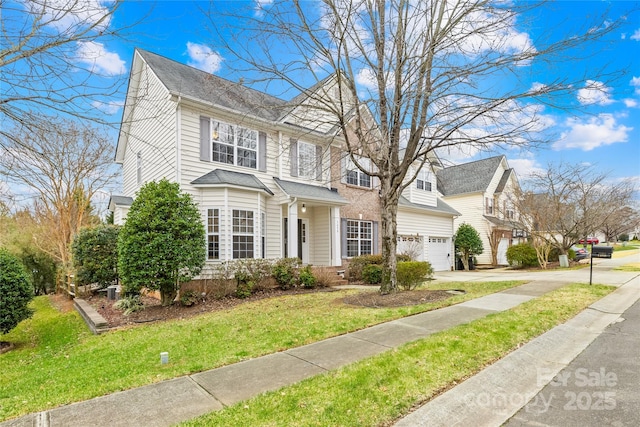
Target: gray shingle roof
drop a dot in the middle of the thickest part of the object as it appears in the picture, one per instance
(503, 180)
(188, 81)
(470, 177)
(121, 200)
(441, 207)
(310, 192)
(224, 177)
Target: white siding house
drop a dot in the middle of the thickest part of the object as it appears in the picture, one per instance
(260, 168)
(482, 192)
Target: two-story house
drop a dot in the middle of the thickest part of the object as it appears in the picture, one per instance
(483, 192)
(269, 175)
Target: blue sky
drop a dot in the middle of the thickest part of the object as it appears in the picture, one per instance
(606, 133)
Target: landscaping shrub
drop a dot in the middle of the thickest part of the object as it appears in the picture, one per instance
(306, 277)
(554, 255)
(356, 264)
(15, 292)
(129, 304)
(189, 298)
(254, 270)
(571, 254)
(285, 272)
(161, 243)
(623, 237)
(325, 276)
(95, 255)
(467, 243)
(522, 255)
(404, 257)
(412, 273)
(372, 274)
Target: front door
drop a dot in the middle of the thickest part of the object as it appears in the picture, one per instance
(303, 240)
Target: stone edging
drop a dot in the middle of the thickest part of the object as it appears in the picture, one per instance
(94, 320)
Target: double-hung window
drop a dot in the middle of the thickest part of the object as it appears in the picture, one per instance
(489, 205)
(234, 145)
(307, 162)
(213, 234)
(354, 176)
(243, 228)
(359, 238)
(423, 180)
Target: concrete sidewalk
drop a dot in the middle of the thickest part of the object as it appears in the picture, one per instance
(212, 390)
(515, 385)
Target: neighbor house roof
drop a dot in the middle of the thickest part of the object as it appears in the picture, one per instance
(470, 177)
(184, 80)
(221, 177)
(119, 201)
(441, 207)
(310, 192)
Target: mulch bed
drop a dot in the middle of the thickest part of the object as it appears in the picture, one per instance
(154, 311)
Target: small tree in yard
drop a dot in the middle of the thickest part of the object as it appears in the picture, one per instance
(468, 243)
(15, 292)
(162, 243)
(95, 255)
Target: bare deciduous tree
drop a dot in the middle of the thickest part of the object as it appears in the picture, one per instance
(53, 61)
(568, 202)
(64, 167)
(400, 79)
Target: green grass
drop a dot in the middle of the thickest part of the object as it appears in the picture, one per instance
(57, 361)
(634, 266)
(380, 389)
(627, 247)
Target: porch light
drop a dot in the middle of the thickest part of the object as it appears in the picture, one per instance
(304, 208)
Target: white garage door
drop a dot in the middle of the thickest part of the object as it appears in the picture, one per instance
(438, 253)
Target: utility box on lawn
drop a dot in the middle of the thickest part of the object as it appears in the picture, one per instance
(601, 251)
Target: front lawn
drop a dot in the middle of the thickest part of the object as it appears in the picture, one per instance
(380, 389)
(57, 361)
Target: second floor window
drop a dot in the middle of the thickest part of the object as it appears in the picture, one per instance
(307, 162)
(423, 180)
(355, 176)
(234, 145)
(489, 206)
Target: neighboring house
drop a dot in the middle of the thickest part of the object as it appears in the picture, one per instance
(483, 191)
(269, 175)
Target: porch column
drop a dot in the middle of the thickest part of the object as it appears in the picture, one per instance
(336, 250)
(292, 232)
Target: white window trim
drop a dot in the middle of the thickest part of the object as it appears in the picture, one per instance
(236, 130)
(360, 239)
(350, 166)
(423, 181)
(311, 163)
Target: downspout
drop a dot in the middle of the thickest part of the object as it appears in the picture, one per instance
(178, 145)
(280, 156)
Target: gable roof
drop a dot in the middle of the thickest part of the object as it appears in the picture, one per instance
(183, 80)
(470, 177)
(221, 177)
(310, 192)
(441, 207)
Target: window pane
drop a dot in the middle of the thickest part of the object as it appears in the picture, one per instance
(247, 158)
(222, 153)
(365, 247)
(306, 160)
(352, 248)
(213, 247)
(365, 180)
(352, 177)
(365, 230)
(222, 132)
(242, 247)
(247, 138)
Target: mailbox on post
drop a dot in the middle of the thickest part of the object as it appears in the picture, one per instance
(601, 251)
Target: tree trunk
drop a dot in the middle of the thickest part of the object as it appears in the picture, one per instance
(168, 293)
(465, 260)
(389, 235)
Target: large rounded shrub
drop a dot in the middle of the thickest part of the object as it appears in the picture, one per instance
(522, 255)
(95, 255)
(15, 292)
(162, 243)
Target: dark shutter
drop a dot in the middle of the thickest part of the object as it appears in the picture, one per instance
(262, 151)
(293, 156)
(375, 238)
(343, 237)
(319, 162)
(205, 151)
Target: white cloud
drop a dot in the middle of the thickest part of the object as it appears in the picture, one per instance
(595, 92)
(525, 167)
(592, 133)
(110, 107)
(636, 35)
(203, 58)
(366, 78)
(635, 82)
(261, 5)
(72, 15)
(630, 103)
(99, 59)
